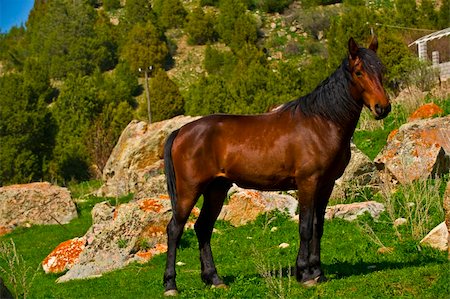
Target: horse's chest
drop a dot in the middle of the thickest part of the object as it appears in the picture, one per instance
(340, 162)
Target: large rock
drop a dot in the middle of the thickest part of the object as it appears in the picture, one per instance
(64, 256)
(245, 205)
(119, 235)
(351, 211)
(136, 165)
(361, 172)
(419, 149)
(447, 213)
(35, 203)
(426, 111)
(437, 237)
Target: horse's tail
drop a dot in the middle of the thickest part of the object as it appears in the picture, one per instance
(169, 169)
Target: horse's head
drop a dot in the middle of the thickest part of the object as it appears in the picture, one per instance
(366, 72)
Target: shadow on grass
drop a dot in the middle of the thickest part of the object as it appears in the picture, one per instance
(340, 269)
(346, 269)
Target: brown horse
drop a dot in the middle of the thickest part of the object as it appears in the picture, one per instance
(304, 145)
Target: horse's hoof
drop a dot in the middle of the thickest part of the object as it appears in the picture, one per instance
(311, 282)
(219, 286)
(171, 293)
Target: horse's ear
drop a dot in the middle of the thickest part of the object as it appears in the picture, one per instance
(374, 44)
(353, 48)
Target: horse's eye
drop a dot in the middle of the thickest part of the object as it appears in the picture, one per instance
(358, 74)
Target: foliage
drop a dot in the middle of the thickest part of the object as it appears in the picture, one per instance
(171, 13)
(200, 27)
(64, 35)
(272, 6)
(138, 12)
(234, 25)
(26, 128)
(111, 4)
(166, 100)
(70, 74)
(90, 121)
(145, 46)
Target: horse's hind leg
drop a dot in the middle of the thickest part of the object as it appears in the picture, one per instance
(184, 205)
(214, 197)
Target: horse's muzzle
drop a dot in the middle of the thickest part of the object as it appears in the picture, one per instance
(381, 112)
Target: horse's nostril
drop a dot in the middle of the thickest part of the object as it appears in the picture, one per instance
(378, 109)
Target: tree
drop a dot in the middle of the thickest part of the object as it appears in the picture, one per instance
(230, 12)
(428, 16)
(406, 13)
(443, 15)
(145, 50)
(74, 110)
(145, 47)
(111, 4)
(91, 113)
(26, 130)
(272, 6)
(62, 33)
(167, 101)
(200, 27)
(171, 13)
(138, 11)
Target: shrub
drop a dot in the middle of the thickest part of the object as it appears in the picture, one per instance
(272, 6)
(200, 27)
(166, 100)
(109, 5)
(171, 13)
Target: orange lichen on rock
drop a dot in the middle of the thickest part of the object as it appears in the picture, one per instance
(164, 196)
(4, 230)
(151, 205)
(392, 134)
(148, 254)
(64, 256)
(154, 231)
(426, 111)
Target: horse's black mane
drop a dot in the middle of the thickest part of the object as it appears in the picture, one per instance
(332, 99)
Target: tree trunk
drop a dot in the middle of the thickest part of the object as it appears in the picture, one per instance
(147, 93)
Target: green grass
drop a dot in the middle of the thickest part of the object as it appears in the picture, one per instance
(349, 256)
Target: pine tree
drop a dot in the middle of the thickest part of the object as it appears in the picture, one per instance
(145, 47)
(166, 99)
(200, 27)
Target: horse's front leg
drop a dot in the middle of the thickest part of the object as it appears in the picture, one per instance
(321, 202)
(307, 189)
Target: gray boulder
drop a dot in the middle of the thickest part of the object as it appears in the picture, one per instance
(136, 162)
(35, 203)
(419, 149)
(360, 173)
(120, 235)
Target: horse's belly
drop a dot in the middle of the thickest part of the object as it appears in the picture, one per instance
(261, 179)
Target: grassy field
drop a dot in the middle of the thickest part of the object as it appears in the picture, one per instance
(253, 265)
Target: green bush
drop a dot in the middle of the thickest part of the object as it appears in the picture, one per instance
(165, 98)
(234, 25)
(171, 13)
(272, 6)
(109, 5)
(200, 27)
(145, 47)
(26, 129)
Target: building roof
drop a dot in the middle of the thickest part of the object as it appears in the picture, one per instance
(434, 35)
